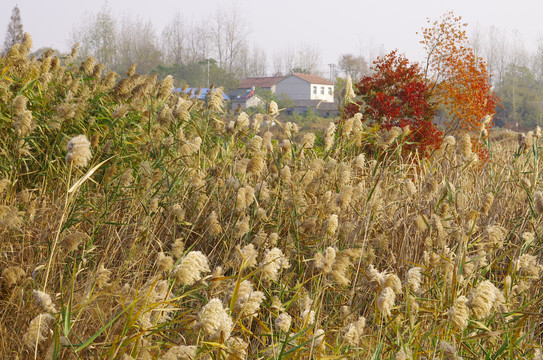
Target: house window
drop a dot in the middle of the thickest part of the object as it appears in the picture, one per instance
(322, 90)
(329, 90)
(314, 90)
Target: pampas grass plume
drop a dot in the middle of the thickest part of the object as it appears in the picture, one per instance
(180, 352)
(414, 278)
(44, 301)
(164, 262)
(538, 202)
(79, 153)
(482, 299)
(191, 268)
(283, 322)
(272, 263)
(38, 330)
(12, 275)
(459, 313)
(215, 321)
(332, 225)
(102, 277)
(386, 300)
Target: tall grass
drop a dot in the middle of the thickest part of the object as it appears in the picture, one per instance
(136, 223)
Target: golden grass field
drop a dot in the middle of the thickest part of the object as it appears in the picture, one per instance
(136, 223)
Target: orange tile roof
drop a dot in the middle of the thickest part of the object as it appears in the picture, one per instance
(313, 79)
(259, 82)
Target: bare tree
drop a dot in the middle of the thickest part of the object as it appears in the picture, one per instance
(308, 58)
(174, 41)
(537, 61)
(199, 43)
(229, 33)
(14, 34)
(277, 64)
(284, 61)
(97, 35)
(303, 58)
(500, 49)
(352, 65)
(137, 44)
(252, 62)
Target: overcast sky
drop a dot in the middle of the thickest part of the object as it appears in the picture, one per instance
(334, 27)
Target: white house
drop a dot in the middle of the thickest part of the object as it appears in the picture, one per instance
(305, 87)
(247, 100)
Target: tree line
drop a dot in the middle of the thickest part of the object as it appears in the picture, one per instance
(217, 50)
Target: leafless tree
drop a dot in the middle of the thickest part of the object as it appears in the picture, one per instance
(97, 35)
(352, 65)
(229, 33)
(252, 62)
(199, 43)
(302, 58)
(137, 43)
(174, 41)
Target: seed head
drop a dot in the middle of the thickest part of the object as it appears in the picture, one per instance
(12, 275)
(459, 313)
(482, 299)
(102, 277)
(332, 225)
(349, 92)
(283, 322)
(248, 256)
(325, 261)
(414, 278)
(538, 202)
(71, 242)
(272, 108)
(386, 300)
(214, 321)
(38, 330)
(272, 263)
(79, 152)
(19, 105)
(164, 262)
(44, 301)
(181, 352)
(247, 300)
(489, 199)
(191, 267)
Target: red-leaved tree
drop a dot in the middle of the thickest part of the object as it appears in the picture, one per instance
(397, 94)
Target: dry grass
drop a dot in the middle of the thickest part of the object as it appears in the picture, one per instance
(187, 232)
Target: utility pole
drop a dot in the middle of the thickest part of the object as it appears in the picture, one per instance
(332, 71)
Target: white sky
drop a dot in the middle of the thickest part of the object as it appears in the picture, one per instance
(335, 27)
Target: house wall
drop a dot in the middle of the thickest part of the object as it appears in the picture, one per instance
(247, 103)
(254, 101)
(294, 87)
(299, 89)
(323, 92)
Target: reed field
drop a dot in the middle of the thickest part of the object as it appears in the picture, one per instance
(136, 223)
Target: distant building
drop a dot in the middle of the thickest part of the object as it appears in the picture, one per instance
(305, 87)
(305, 90)
(267, 83)
(247, 100)
(246, 85)
(200, 93)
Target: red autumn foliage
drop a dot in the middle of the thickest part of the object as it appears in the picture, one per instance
(397, 94)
